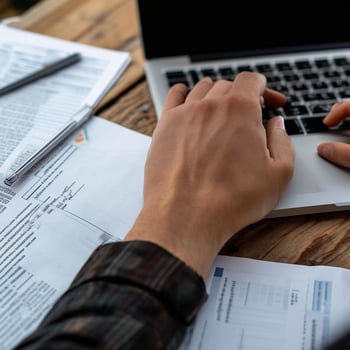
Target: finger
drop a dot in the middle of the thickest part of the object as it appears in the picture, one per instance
(200, 90)
(339, 112)
(280, 147)
(220, 88)
(274, 99)
(336, 152)
(250, 85)
(176, 96)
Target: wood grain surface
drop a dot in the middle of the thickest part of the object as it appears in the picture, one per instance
(322, 239)
(110, 24)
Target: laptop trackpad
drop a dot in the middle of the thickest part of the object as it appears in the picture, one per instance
(315, 178)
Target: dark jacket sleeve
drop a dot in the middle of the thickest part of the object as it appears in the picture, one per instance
(129, 295)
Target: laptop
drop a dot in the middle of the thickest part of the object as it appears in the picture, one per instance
(301, 46)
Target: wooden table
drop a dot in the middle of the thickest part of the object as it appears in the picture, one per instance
(322, 239)
(7, 10)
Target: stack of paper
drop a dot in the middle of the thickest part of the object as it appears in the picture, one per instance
(86, 192)
(31, 115)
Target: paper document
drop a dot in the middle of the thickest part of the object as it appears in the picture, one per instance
(271, 306)
(88, 192)
(31, 115)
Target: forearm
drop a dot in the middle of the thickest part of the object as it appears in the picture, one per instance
(127, 294)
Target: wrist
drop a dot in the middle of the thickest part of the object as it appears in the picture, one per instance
(181, 234)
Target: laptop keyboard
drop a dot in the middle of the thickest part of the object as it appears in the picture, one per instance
(311, 87)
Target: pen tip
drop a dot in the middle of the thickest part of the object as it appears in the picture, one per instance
(10, 180)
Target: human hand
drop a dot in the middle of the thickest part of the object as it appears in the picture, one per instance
(336, 152)
(212, 167)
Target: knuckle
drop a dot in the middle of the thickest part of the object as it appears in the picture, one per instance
(239, 99)
(223, 83)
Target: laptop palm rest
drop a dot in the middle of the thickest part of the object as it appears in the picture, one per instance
(317, 185)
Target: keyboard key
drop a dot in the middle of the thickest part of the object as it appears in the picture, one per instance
(311, 76)
(291, 77)
(245, 69)
(295, 110)
(322, 63)
(293, 99)
(293, 127)
(264, 68)
(320, 96)
(279, 87)
(321, 108)
(345, 125)
(268, 113)
(340, 84)
(209, 72)
(227, 73)
(194, 76)
(309, 97)
(326, 96)
(284, 66)
(331, 74)
(303, 65)
(341, 61)
(300, 86)
(273, 79)
(314, 124)
(319, 85)
(345, 93)
(175, 77)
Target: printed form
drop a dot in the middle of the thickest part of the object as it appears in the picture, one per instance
(264, 305)
(31, 115)
(88, 192)
(52, 219)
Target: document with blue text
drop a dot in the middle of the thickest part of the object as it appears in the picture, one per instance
(264, 305)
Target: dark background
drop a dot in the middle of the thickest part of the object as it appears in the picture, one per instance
(170, 27)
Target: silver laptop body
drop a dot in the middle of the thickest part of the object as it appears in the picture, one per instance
(293, 43)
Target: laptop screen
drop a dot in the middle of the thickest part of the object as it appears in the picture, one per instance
(208, 29)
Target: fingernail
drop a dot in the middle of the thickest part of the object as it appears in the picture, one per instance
(278, 123)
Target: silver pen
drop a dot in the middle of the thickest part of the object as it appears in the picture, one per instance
(42, 72)
(77, 120)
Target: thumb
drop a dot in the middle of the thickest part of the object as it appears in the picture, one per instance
(280, 146)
